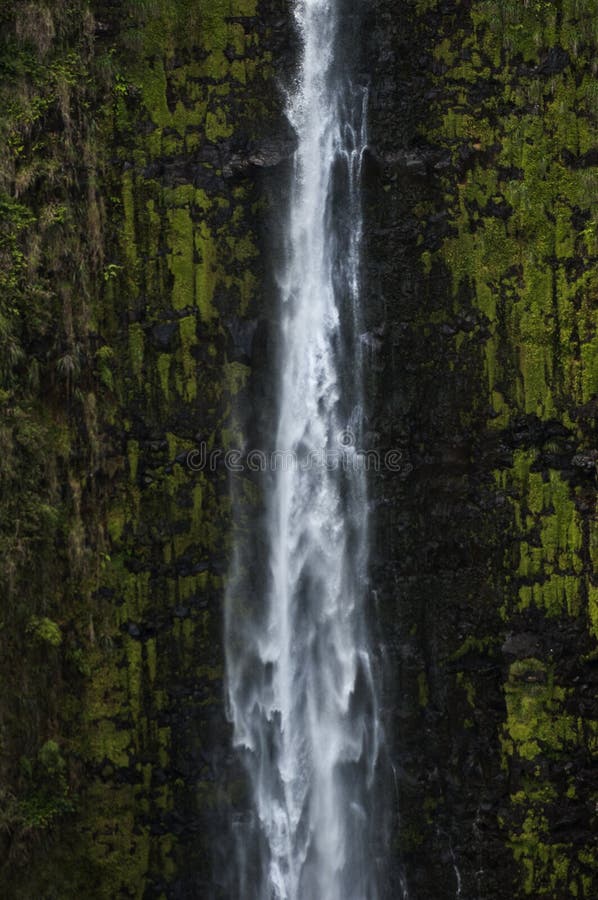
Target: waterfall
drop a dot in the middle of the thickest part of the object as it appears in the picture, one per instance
(299, 676)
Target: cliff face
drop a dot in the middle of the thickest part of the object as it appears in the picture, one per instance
(132, 147)
(139, 157)
(481, 279)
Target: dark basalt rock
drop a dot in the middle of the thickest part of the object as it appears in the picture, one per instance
(587, 462)
(521, 645)
(164, 336)
(242, 333)
(556, 61)
(266, 155)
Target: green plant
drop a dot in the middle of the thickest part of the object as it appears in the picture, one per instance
(45, 630)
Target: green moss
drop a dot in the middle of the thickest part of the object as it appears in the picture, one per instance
(546, 864)
(153, 85)
(187, 328)
(45, 630)
(539, 230)
(550, 559)
(134, 677)
(129, 239)
(537, 727)
(235, 375)
(151, 659)
(133, 457)
(181, 260)
(217, 125)
(467, 685)
(136, 349)
(535, 721)
(116, 851)
(593, 608)
(475, 645)
(109, 742)
(116, 523)
(164, 361)
(422, 689)
(243, 249)
(206, 270)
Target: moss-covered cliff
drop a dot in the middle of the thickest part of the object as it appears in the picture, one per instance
(482, 247)
(134, 141)
(131, 274)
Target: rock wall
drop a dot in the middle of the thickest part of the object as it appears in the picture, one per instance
(135, 139)
(482, 279)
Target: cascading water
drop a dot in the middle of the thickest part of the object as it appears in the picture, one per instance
(300, 687)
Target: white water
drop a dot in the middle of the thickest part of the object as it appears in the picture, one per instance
(300, 687)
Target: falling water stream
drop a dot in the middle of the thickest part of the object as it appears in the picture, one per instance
(300, 687)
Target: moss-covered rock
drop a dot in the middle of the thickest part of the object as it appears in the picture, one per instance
(128, 249)
(481, 282)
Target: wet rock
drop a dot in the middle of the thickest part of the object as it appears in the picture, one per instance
(521, 645)
(557, 59)
(266, 155)
(181, 612)
(587, 462)
(133, 630)
(242, 333)
(164, 336)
